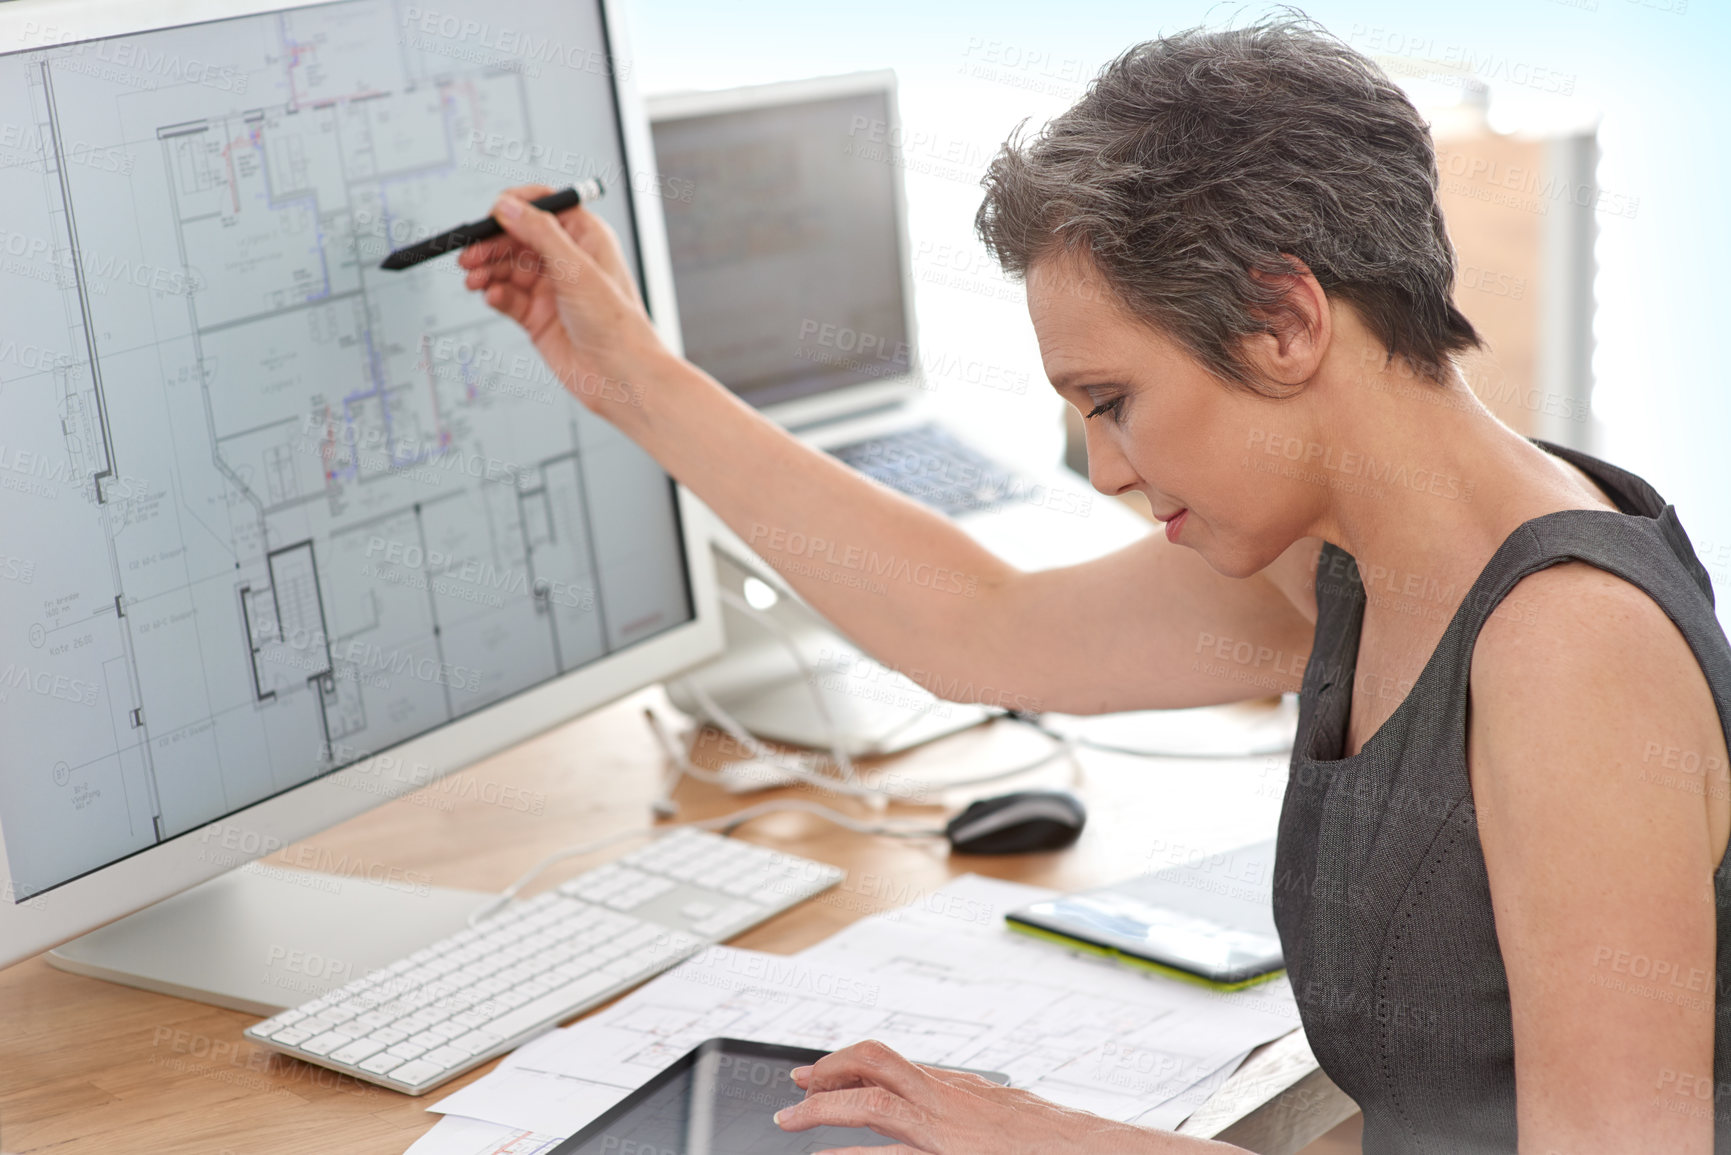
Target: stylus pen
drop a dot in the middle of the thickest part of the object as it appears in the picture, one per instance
(463, 236)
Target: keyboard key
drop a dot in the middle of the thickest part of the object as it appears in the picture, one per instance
(640, 959)
(727, 916)
(420, 1020)
(418, 1072)
(292, 1036)
(773, 893)
(446, 1056)
(608, 951)
(641, 936)
(357, 1050)
(326, 1043)
(745, 883)
(572, 995)
(381, 1062)
(475, 1042)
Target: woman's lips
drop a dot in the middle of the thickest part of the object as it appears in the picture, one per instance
(1175, 523)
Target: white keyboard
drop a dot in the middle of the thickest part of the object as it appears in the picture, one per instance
(484, 991)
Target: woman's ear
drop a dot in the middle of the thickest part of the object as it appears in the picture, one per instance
(1301, 324)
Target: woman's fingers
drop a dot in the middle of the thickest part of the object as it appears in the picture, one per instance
(962, 1080)
(529, 192)
(590, 326)
(562, 260)
(600, 241)
(876, 1107)
(485, 252)
(509, 300)
(513, 264)
(965, 1080)
(587, 231)
(870, 1063)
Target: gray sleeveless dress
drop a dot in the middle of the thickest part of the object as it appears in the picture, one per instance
(1381, 894)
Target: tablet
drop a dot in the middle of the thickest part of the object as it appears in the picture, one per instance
(719, 1099)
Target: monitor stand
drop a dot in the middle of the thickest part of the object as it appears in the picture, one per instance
(874, 710)
(262, 938)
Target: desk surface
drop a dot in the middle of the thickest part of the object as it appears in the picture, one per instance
(88, 1066)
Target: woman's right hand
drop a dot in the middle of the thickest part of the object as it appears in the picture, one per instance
(564, 280)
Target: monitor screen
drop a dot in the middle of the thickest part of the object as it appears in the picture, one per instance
(785, 240)
(268, 509)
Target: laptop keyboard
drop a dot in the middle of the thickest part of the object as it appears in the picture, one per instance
(933, 466)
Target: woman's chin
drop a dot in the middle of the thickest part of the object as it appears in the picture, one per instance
(1225, 560)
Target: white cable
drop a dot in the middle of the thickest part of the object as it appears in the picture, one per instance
(1063, 746)
(806, 673)
(725, 824)
(664, 806)
(793, 765)
(581, 848)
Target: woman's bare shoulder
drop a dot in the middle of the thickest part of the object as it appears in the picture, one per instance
(1578, 658)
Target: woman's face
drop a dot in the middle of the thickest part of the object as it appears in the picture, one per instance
(1159, 423)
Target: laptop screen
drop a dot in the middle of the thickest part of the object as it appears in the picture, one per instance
(786, 244)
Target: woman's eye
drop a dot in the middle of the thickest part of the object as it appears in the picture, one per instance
(1112, 407)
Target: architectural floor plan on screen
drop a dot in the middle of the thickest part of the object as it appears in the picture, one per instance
(266, 508)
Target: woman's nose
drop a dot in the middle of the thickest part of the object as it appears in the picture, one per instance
(1109, 471)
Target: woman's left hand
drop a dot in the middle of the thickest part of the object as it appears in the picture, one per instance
(930, 1111)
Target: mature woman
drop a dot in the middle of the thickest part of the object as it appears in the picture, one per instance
(1509, 802)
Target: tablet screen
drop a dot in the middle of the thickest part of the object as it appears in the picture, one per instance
(719, 1099)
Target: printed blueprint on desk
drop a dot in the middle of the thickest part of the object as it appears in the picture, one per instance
(268, 509)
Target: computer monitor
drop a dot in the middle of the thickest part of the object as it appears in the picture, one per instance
(283, 535)
(786, 227)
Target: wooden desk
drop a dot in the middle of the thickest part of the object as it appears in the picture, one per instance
(87, 1066)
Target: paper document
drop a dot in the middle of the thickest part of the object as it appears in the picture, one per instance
(566, 1078)
(1095, 1033)
(941, 981)
(455, 1135)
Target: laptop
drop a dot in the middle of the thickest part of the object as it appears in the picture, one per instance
(787, 229)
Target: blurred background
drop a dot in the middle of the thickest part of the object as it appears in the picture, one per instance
(1581, 147)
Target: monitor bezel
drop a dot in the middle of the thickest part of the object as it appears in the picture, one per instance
(147, 876)
(841, 401)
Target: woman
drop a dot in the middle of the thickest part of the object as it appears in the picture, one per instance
(1507, 814)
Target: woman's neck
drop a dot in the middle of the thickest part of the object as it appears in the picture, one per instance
(1429, 483)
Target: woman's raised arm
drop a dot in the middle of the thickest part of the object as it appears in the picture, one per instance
(1141, 628)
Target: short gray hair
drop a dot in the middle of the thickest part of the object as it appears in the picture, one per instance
(1201, 156)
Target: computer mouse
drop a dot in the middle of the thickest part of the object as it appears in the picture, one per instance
(1018, 823)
